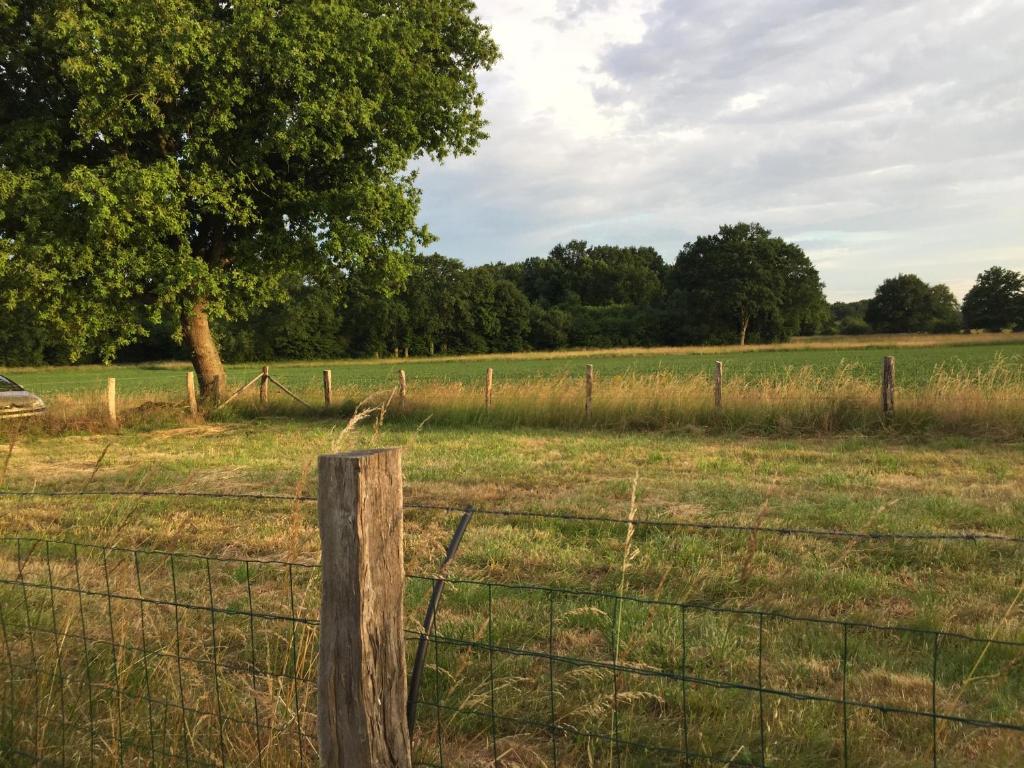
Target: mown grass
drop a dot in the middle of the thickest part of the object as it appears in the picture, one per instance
(883, 482)
(918, 357)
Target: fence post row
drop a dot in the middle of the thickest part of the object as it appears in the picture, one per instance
(489, 388)
(362, 684)
(718, 384)
(588, 408)
(888, 385)
(190, 388)
(328, 389)
(112, 401)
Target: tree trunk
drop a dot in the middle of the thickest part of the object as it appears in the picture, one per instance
(202, 349)
(744, 324)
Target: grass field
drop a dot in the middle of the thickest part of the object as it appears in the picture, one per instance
(918, 358)
(880, 483)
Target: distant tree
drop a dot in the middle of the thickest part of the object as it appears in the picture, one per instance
(946, 315)
(191, 159)
(853, 325)
(598, 276)
(742, 283)
(996, 301)
(907, 304)
(848, 317)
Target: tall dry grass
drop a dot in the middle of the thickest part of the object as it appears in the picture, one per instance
(803, 401)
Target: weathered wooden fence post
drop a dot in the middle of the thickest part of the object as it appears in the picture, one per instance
(718, 384)
(888, 386)
(328, 389)
(362, 685)
(265, 386)
(402, 389)
(190, 388)
(489, 388)
(112, 401)
(217, 390)
(588, 408)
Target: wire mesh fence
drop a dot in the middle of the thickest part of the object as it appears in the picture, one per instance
(119, 656)
(127, 656)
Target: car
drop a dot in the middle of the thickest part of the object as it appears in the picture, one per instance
(16, 401)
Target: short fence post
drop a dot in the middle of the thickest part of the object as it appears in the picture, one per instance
(588, 408)
(362, 684)
(718, 384)
(265, 386)
(489, 388)
(112, 401)
(888, 386)
(328, 390)
(217, 390)
(402, 389)
(190, 387)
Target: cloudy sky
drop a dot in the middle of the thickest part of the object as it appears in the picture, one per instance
(883, 136)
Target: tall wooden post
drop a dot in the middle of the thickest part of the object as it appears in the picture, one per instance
(718, 384)
(362, 684)
(190, 387)
(888, 386)
(328, 390)
(588, 408)
(265, 386)
(112, 401)
(489, 388)
(402, 389)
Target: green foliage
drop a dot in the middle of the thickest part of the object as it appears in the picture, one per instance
(996, 301)
(594, 275)
(743, 284)
(162, 154)
(906, 303)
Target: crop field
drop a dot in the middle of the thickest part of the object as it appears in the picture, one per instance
(918, 357)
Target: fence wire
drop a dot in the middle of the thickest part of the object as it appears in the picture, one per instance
(126, 656)
(669, 524)
(117, 656)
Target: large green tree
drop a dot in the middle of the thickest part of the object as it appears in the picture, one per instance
(996, 301)
(906, 303)
(194, 159)
(744, 283)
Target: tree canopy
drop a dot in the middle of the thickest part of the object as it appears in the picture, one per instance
(743, 283)
(996, 301)
(186, 160)
(906, 303)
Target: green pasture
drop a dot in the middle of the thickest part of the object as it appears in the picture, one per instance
(915, 366)
(850, 482)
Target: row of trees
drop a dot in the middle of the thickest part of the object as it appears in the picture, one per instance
(907, 304)
(738, 285)
(197, 178)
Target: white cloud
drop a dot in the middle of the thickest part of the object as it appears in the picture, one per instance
(883, 136)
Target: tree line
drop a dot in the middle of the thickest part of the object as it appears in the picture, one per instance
(245, 191)
(739, 285)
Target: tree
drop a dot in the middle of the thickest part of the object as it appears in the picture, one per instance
(193, 159)
(996, 301)
(742, 283)
(907, 304)
(597, 276)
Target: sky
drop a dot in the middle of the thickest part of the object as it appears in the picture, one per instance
(882, 136)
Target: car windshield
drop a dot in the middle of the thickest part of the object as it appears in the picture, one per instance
(6, 385)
